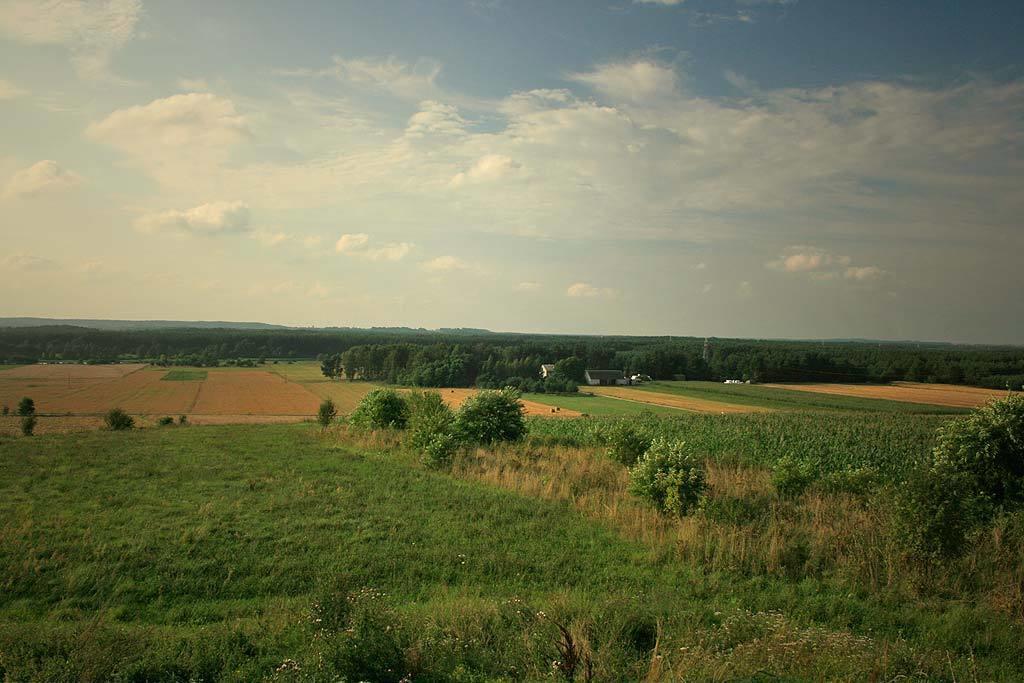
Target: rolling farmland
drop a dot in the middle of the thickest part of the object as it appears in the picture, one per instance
(949, 395)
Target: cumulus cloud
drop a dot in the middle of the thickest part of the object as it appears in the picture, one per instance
(42, 176)
(528, 287)
(91, 31)
(488, 168)
(863, 273)
(444, 264)
(434, 119)
(585, 289)
(10, 91)
(215, 218)
(803, 258)
(640, 81)
(358, 244)
(175, 137)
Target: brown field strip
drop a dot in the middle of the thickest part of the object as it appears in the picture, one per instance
(696, 405)
(455, 397)
(252, 392)
(345, 394)
(908, 392)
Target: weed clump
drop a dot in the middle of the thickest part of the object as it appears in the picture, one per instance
(670, 477)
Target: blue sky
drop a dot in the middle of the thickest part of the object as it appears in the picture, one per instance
(757, 168)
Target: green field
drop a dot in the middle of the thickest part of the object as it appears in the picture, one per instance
(790, 399)
(600, 406)
(189, 375)
(224, 553)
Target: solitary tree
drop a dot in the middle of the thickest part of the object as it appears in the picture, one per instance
(571, 368)
(328, 411)
(26, 406)
(28, 425)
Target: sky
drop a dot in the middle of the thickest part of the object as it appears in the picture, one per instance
(731, 168)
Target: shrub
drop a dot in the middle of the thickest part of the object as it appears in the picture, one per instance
(791, 477)
(165, 420)
(937, 509)
(26, 406)
(432, 429)
(6, 410)
(28, 425)
(626, 444)
(381, 409)
(327, 413)
(182, 420)
(669, 477)
(492, 416)
(117, 420)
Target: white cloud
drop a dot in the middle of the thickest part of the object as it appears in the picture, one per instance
(435, 118)
(215, 218)
(802, 258)
(20, 261)
(488, 168)
(863, 273)
(10, 90)
(42, 176)
(358, 244)
(178, 138)
(528, 287)
(667, 3)
(445, 263)
(408, 80)
(641, 81)
(91, 31)
(585, 289)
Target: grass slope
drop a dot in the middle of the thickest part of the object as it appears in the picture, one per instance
(195, 553)
(792, 399)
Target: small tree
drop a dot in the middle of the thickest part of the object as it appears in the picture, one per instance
(432, 429)
(381, 409)
(182, 420)
(492, 416)
(28, 425)
(670, 477)
(327, 413)
(571, 368)
(6, 410)
(26, 406)
(165, 420)
(116, 420)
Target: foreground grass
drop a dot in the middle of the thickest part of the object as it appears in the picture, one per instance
(791, 399)
(198, 553)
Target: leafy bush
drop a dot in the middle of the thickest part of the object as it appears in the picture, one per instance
(381, 409)
(182, 420)
(858, 481)
(117, 420)
(626, 444)
(26, 406)
(165, 420)
(432, 429)
(6, 410)
(669, 476)
(976, 471)
(791, 477)
(327, 413)
(28, 425)
(492, 416)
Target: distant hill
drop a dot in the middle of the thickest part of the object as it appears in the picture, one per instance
(138, 324)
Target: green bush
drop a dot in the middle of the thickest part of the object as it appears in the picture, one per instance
(976, 471)
(327, 413)
(791, 477)
(381, 409)
(165, 420)
(492, 416)
(28, 425)
(432, 429)
(670, 477)
(26, 406)
(182, 420)
(626, 444)
(117, 420)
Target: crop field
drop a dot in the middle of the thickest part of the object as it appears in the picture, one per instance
(531, 406)
(184, 376)
(778, 398)
(602, 406)
(688, 403)
(910, 392)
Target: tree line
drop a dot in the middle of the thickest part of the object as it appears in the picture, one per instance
(480, 358)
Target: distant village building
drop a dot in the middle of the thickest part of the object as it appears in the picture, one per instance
(605, 378)
(547, 369)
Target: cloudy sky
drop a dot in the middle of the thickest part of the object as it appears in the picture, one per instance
(759, 168)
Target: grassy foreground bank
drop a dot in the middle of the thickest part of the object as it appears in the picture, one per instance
(275, 552)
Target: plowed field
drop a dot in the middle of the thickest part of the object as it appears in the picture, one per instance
(909, 392)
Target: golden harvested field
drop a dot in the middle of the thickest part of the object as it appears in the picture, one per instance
(909, 392)
(252, 392)
(696, 405)
(455, 398)
(52, 386)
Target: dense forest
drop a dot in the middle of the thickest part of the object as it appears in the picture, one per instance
(478, 357)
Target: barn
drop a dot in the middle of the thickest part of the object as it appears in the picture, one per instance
(605, 378)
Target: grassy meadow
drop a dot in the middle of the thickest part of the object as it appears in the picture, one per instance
(283, 552)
